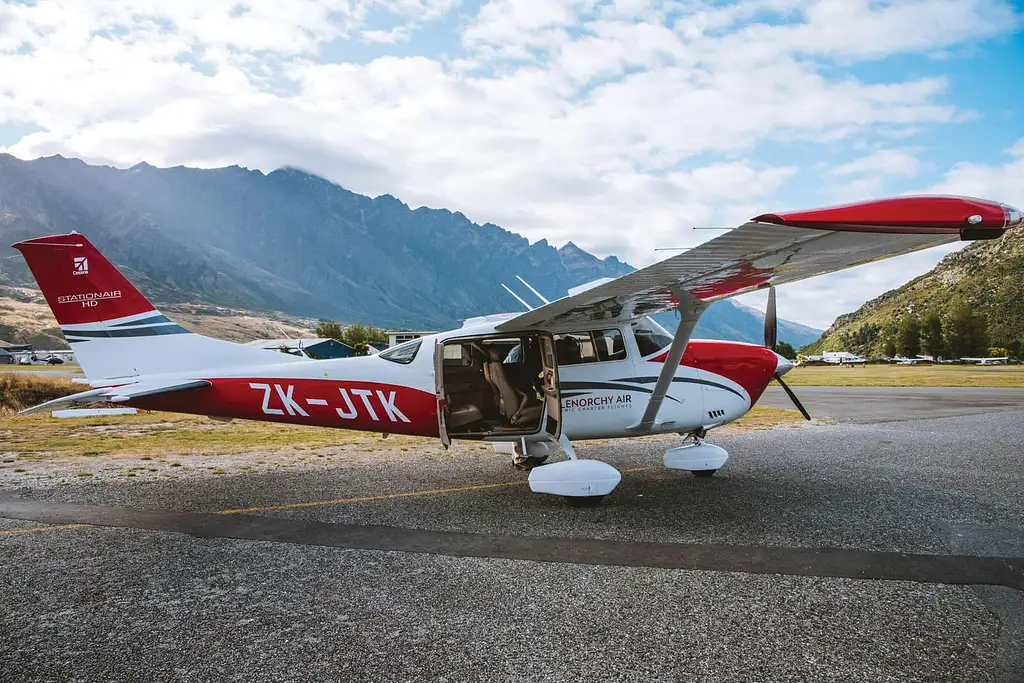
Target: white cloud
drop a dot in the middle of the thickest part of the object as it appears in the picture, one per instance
(618, 126)
(1002, 182)
(899, 162)
(847, 290)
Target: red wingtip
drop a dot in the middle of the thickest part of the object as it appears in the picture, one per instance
(79, 283)
(912, 214)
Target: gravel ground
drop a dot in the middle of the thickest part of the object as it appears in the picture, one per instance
(910, 486)
(113, 604)
(119, 604)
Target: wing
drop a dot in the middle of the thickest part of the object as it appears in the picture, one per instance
(774, 249)
(119, 394)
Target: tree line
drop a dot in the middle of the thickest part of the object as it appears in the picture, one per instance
(357, 336)
(963, 332)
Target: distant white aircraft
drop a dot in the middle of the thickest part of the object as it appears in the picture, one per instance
(843, 358)
(986, 361)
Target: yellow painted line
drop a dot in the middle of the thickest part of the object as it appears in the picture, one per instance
(387, 496)
(317, 503)
(366, 499)
(12, 532)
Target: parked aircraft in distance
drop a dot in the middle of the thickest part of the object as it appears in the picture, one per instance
(843, 358)
(986, 361)
(589, 365)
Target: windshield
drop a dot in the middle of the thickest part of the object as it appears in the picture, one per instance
(650, 336)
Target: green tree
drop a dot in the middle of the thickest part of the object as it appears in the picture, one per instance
(931, 334)
(889, 346)
(328, 329)
(908, 338)
(966, 332)
(785, 350)
(359, 337)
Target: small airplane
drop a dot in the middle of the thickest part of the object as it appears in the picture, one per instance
(589, 365)
(987, 361)
(843, 359)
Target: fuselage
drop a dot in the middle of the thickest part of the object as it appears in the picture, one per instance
(716, 383)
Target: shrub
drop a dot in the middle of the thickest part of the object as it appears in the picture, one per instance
(19, 391)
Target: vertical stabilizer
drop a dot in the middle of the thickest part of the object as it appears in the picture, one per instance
(113, 329)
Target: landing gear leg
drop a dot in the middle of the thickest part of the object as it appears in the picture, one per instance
(583, 483)
(526, 456)
(701, 458)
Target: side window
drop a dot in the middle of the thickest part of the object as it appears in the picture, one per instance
(609, 345)
(403, 354)
(650, 337)
(574, 348)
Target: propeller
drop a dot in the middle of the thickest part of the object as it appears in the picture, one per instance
(771, 332)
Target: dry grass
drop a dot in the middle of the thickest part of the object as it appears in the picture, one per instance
(39, 369)
(20, 391)
(908, 376)
(151, 433)
(766, 418)
(40, 437)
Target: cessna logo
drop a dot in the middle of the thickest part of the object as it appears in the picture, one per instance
(81, 266)
(89, 298)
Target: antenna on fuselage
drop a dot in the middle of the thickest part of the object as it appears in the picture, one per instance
(518, 298)
(530, 287)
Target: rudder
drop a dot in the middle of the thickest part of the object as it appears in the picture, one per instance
(112, 328)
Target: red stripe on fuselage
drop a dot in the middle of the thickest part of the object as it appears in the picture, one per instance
(749, 365)
(347, 404)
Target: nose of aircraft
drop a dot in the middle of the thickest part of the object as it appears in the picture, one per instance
(782, 365)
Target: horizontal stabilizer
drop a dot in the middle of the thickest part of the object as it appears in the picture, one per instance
(120, 394)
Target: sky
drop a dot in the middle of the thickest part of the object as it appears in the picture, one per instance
(618, 125)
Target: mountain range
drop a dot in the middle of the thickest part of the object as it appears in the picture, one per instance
(294, 242)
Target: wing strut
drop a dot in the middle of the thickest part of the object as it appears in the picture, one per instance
(690, 309)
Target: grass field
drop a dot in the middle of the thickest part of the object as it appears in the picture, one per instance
(42, 369)
(907, 376)
(40, 437)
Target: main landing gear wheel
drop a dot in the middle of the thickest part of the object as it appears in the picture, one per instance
(583, 501)
(582, 483)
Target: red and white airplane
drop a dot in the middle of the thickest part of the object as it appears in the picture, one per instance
(589, 365)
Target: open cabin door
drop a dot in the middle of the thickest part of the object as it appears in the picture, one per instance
(553, 400)
(496, 386)
(442, 403)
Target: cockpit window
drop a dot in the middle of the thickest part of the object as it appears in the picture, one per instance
(403, 353)
(650, 336)
(589, 347)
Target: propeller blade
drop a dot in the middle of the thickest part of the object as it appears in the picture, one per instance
(770, 321)
(792, 397)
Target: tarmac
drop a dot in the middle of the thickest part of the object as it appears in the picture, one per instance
(888, 546)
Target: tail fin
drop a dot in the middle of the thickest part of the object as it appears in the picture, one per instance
(114, 331)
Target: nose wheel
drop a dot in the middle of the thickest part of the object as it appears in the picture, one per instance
(699, 457)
